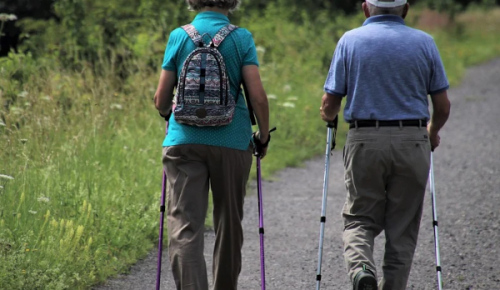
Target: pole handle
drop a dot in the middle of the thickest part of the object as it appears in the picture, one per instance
(333, 124)
(258, 146)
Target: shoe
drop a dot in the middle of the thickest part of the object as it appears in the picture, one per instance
(365, 280)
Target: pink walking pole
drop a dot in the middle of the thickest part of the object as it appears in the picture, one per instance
(258, 156)
(162, 217)
(261, 226)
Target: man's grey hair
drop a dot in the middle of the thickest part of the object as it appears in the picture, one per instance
(198, 5)
(374, 10)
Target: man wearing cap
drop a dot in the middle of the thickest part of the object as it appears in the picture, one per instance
(386, 71)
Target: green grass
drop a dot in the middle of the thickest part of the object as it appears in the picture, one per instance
(84, 149)
(473, 40)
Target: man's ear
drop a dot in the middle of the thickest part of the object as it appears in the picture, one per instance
(405, 10)
(366, 11)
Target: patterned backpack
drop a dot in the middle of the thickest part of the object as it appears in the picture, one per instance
(203, 95)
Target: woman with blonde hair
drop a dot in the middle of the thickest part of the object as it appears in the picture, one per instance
(198, 156)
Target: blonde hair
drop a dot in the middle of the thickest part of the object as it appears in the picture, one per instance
(197, 5)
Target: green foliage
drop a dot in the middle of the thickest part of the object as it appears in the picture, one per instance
(94, 31)
(81, 139)
(453, 7)
(86, 171)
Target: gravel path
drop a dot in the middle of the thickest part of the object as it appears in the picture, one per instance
(467, 167)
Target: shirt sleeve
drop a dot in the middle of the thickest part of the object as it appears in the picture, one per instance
(439, 81)
(336, 81)
(250, 55)
(169, 60)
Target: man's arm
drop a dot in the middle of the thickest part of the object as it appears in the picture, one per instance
(330, 107)
(165, 92)
(336, 84)
(440, 113)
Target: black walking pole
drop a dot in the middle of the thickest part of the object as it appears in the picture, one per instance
(330, 145)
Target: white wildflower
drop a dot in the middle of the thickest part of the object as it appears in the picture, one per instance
(287, 88)
(43, 199)
(274, 97)
(7, 17)
(32, 211)
(4, 176)
(23, 94)
(116, 106)
(261, 49)
(288, 105)
(292, 98)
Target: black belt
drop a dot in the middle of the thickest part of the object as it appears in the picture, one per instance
(373, 123)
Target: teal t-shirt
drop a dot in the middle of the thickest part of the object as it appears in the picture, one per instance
(238, 50)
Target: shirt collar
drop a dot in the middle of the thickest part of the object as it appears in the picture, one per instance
(211, 15)
(384, 18)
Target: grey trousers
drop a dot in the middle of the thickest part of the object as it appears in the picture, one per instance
(386, 173)
(191, 169)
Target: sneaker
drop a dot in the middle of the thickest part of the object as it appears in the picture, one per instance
(365, 280)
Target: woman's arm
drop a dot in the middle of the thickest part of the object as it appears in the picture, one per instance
(165, 92)
(258, 99)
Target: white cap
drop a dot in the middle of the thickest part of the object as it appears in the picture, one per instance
(387, 3)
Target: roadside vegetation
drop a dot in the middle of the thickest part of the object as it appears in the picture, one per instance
(80, 158)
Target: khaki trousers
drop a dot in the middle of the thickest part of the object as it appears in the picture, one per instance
(386, 172)
(190, 170)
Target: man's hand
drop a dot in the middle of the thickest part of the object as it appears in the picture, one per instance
(324, 116)
(434, 137)
(441, 112)
(330, 107)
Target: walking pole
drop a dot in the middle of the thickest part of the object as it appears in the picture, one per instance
(330, 145)
(162, 216)
(261, 214)
(261, 226)
(435, 224)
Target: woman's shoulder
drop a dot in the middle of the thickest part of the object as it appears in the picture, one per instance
(243, 37)
(178, 32)
(243, 32)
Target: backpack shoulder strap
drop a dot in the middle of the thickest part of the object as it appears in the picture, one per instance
(222, 34)
(193, 34)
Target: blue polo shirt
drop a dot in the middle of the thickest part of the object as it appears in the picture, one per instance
(238, 50)
(386, 70)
